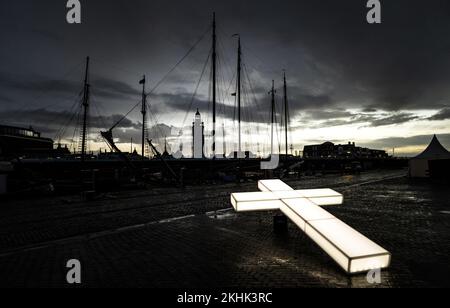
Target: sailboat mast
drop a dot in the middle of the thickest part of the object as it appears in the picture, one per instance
(214, 72)
(144, 116)
(239, 93)
(85, 114)
(286, 114)
(224, 141)
(272, 92)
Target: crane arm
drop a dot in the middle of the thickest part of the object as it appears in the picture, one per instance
(108, 136)
(172, 173)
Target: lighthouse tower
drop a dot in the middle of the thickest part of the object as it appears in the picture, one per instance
(198, 136)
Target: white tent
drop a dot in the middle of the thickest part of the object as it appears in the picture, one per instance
(419, 165)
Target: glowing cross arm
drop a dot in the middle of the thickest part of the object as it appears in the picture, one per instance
(273, 185)
(320, 197)
(258, 201)
(268, 201)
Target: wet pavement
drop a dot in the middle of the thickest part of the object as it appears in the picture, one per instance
(190, 238)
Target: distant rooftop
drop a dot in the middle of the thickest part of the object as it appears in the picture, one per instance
(18, 131)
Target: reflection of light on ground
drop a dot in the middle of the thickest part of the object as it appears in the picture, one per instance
(222, 214)
(348, 178)
(406, 196)
(281, 260)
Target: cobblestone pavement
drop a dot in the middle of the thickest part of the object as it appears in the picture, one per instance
(163, 238)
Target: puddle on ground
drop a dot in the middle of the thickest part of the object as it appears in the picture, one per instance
(281, 260)
(405, 195)
(222, 215)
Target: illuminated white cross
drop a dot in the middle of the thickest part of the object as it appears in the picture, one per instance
(354, 252)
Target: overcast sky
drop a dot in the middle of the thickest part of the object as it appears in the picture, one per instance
(382, 85)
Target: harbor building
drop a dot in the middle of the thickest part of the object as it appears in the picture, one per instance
(23, 142)
(345, 151)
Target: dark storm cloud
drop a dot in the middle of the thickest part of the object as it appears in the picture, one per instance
(414, 141)
(396, 119)
(342, 118)
(369, 110)
(444, 114)
(335, 61)
(300, 100)
(14, 82)
(53, 121)
(327, 114)
(61, 125)
(102, 87)
(253, 110)
(110, 88)
(257, 112)
(5, 99)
